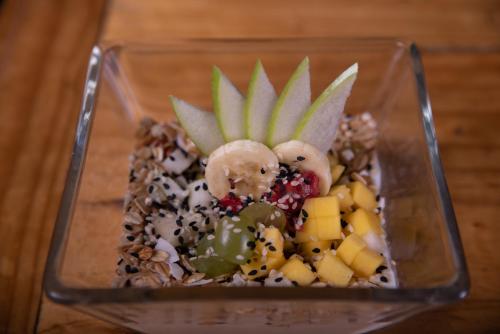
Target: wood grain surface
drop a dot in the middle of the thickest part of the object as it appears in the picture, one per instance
(44, 47)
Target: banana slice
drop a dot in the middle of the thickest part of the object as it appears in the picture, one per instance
(243, 167)
(306, 157)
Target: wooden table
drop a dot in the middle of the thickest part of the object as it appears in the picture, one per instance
(44, 47)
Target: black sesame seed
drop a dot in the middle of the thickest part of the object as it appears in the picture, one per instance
(166, 186)
(196, 188)
(295, 283)
(135, 254)
(158, 236)
(172, 158)
(304, 213)
(342, 212)
(178, 222)
(127, 268)
(201, 235)
(119, 262)
(380, 269)
(153, 231)
(134, 270)
(130, 238)
(128, 284)
(251, 244)
(211, 231)
(251, 229)
(128, 227)
(307, 181)
(377, 198)
(272, 248)
(207, 221)
(195, 228)
(343, 223)
(316, 250)
(384, 279)
(205, 186)
(268, 244)
(192, 223)
(249, 261)
(161, 214)
(156, 179)
(165, 174)
(252, 272)
(301, 158)
(264, 267)
(262, 171)
(181, 239)
(292, 234)
(369, 166)
(262, 239)
(278, 279)
(150, 189)
(177, 232)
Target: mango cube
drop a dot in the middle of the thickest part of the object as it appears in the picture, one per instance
(329, 228)
(321, 207)
(268, 254)
(350, 248)
(322, 228)
(315, 248)
(321, 220)
(295, 270)
(332, 270)
(309, 231)
(362, 196)
(273, 243)
(364, 221)
(343, 194)
(366, 262)
(337, 173)
(261, 266)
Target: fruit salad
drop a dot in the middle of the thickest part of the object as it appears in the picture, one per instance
(266, 190)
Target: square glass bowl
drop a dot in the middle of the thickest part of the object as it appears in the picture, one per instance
(127, 82)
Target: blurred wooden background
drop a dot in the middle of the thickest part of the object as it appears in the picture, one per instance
(44, 47)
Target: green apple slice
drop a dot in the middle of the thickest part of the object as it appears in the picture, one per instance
(261, 98)
(291, 106)
(228, 106)
(200, 125)
(319, 124)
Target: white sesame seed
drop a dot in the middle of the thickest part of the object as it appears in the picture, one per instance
(240, 257)
(261, 186)
(283, 206)
(285, 181)
(283, 199)
(229, 226)
(277, 213)
(237, 230)
(294, 206)
(294, 183)
(210, 237)
(272, 216)
(235, 219)
(238, 179)
(226, 171)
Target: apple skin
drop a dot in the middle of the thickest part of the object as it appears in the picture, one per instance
(261, 98)
(319, 125)
(290, 106)
(228, 105)
(201, 126)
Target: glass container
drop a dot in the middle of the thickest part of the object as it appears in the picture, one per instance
(127, 82)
